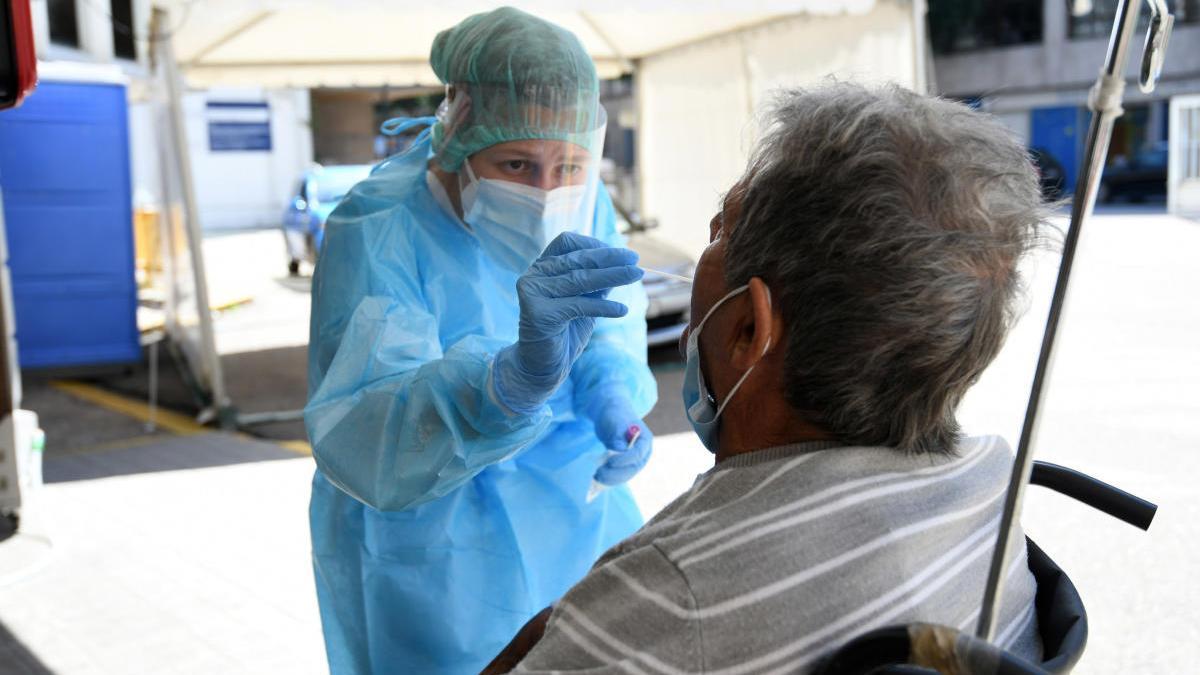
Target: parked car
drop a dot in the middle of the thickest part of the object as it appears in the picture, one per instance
(670, 299)
(1050, 173)
(1138, 177)
(319, 191)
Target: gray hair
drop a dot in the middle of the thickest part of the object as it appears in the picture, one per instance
(889, 227)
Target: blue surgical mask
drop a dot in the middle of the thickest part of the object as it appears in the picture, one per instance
(515, 222)
(701, 407)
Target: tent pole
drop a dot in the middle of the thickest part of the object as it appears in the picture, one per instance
(225, 412)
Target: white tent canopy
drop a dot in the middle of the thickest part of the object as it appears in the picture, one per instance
(309, 43)
(703, 66)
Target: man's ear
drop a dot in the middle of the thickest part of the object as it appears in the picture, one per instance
(759, 327)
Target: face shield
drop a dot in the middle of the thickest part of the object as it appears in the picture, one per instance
(475, 117)
(528, 163)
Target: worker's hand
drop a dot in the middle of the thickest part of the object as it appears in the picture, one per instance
(627, 439)
(624, 464)
(561, 295)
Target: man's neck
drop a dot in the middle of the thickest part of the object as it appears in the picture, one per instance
(739, 435)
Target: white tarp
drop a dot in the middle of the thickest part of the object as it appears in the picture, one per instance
(703, 66)
(314, 43)
(697, 104)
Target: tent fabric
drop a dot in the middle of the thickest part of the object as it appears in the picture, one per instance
(698, 104)
(314, 43)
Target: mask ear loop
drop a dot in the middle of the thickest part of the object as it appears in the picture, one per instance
(730, 294)
(471, 182)
(469, 172)
(766, 348)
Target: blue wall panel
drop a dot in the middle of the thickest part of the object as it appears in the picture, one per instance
(1060, 131)
(64, 169)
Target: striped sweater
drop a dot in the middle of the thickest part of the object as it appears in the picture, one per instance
(776, 557)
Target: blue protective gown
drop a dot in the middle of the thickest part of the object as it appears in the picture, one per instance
(440, 523)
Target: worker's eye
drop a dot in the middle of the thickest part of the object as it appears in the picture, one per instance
(516, 166)
(570, 169)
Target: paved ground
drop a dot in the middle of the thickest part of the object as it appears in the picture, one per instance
(1123, 406)
(186, 554)
(189, 554)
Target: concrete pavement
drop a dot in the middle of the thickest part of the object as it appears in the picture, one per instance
(158, 569)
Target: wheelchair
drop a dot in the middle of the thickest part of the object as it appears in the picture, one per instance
(927, 649)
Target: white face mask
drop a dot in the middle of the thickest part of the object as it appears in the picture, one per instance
(515, 222)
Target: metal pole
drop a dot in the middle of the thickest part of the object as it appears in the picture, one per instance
(11, 458)
(152, 422)
(1105, 102)
(10, 372)
(166, 60)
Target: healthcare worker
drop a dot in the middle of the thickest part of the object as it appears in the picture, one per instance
(477, 364)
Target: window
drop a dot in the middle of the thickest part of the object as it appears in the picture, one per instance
(64, 24)
(1098, 23)
(122, 29)
(967, 25)
(1189, 123)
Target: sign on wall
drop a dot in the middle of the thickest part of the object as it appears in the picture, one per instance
(239, 126)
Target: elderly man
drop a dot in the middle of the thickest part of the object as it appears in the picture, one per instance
(859, 279)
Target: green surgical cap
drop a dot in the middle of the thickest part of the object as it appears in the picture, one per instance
(516, 77)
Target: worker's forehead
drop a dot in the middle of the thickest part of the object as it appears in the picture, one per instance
(536, 149)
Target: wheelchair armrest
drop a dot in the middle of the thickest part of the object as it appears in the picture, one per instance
(922, 649)
(1095, 493)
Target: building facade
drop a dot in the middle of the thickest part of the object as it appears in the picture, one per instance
(1032, 64)
(248, 145)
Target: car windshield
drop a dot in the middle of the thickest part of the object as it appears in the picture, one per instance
(333, 184)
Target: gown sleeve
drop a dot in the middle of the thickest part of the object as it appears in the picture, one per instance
(395, 422)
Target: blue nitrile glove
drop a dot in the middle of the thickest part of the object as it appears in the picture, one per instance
(613, 417)
(561, 295)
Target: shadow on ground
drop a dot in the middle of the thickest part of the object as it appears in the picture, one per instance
(15, 657)
(86, 441)
(262, 381)
(149, 454)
